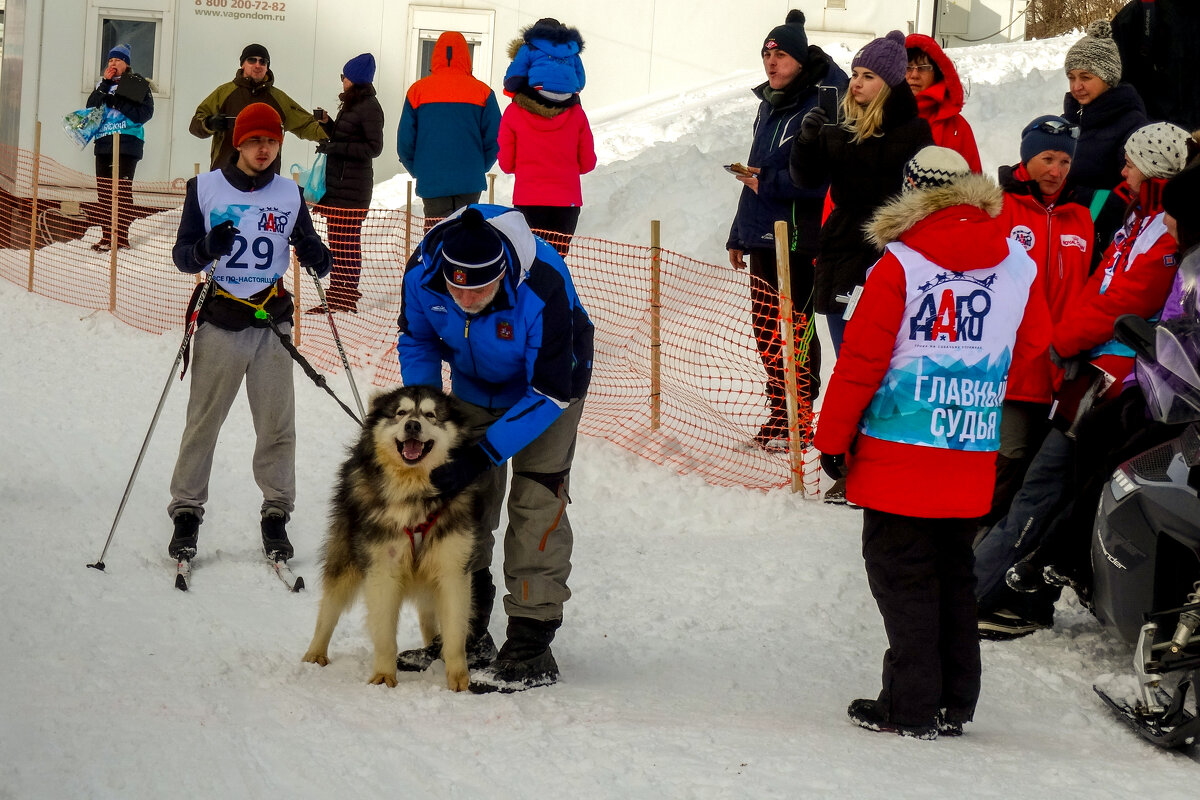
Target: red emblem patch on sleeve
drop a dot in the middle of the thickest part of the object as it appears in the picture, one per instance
(1169, 260)
(504, 330)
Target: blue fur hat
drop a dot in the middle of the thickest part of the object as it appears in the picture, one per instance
(121, 51)
(360, 69)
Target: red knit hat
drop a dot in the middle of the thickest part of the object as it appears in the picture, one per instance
(257, 119)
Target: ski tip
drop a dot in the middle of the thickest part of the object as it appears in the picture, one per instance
(299, 585)
(181, 583)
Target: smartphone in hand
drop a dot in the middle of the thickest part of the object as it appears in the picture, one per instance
(827, 99)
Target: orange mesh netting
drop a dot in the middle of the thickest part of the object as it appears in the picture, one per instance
(712, 386)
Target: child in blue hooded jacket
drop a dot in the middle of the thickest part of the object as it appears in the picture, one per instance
(547, 61)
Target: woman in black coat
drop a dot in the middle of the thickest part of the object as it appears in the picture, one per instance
(863, 158)
(355, 139)
(128, 93)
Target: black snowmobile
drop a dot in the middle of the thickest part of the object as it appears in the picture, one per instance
(1146, 543)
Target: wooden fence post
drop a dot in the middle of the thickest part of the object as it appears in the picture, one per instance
(783, 268)
(297, 312)
(37, 163)
(655, 349)
(491, 188)
(114, 222)
(408, 224)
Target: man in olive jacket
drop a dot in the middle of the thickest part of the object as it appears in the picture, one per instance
(253, 83)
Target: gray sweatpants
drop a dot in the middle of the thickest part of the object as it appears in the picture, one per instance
(220, 359)
(538, 539)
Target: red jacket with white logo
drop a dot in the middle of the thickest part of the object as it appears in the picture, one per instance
(1058, 238)
(1134, 277)
(953, 226)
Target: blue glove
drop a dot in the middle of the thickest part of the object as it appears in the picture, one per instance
(217, 243)
(834, 465)
(464, 467)
(313, 256)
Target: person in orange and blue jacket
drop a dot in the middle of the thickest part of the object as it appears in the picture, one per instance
(448, 131)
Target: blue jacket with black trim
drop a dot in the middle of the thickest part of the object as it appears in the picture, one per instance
(528, 353)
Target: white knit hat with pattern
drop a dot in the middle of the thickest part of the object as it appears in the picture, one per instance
(1158, 150)
(934, 166)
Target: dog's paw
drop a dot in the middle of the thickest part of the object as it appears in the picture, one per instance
(458, 680)
(383, 678)
(320, 659)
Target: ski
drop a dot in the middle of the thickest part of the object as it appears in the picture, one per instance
(1172, 729)
(183, 574)
(290, 579)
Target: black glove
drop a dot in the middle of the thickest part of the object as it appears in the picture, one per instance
(834, 465)
(465, 465)
(219, 122)
(217, 243)
(811, 124)
(322, 146)
(312, 255)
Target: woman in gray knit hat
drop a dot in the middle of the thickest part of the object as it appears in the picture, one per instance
(1105, 109)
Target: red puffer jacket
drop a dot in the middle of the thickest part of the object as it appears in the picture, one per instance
(1058, 238)
(547, 149)
(941, 104)
(955, 227)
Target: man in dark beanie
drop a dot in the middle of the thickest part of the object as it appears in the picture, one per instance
(497, 303)
(253, 83)
(794, 70)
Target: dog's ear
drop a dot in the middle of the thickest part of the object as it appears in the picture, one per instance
(376, 402)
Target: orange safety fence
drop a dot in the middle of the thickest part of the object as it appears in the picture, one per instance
(694, 406)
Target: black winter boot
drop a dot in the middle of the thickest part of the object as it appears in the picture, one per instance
(481, 649)
(183, 540)
(867, 714)
(275, 538)
(525, 660)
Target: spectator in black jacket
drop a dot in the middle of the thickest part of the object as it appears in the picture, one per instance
(131, 100)
(794, 70)
(355, 139)
(1157, 41)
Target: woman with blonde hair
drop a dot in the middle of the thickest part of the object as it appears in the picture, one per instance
(863, 157)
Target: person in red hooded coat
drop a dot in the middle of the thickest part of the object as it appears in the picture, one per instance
(934, 82)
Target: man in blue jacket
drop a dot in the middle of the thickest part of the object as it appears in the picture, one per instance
(497, 303)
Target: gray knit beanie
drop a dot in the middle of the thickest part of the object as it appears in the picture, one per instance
(1097, 53)
(1158, 150)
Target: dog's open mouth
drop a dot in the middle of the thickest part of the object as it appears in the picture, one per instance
(413, 450)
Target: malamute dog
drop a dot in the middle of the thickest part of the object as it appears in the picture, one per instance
(392, 536)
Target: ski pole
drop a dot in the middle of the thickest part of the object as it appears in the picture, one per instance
(337, 340)
(193, 321)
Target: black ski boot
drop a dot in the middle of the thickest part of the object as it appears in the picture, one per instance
(481, 649)
(183, 540)
(274, 536)
(525, 660)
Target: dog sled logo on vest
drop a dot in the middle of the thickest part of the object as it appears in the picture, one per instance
(272, 220)
(949, 317)
(1023, 235)
(1071, 240)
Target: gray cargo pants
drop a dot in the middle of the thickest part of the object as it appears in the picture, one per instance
(538, 539)
(220, 359)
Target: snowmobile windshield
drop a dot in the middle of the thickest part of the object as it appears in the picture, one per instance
(1171, 383)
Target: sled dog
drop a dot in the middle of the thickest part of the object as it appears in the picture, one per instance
(391, 536)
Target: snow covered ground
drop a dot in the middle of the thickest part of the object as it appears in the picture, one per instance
(713, 642)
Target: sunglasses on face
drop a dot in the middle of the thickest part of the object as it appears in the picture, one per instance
(257, 60)
(1058, 128)
(919, 68)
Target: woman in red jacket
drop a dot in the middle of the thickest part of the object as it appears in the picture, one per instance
(547, 147)
(934, 81)
(915, 398)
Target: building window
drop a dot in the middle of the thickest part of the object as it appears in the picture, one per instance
(427, 23)
(141, 35)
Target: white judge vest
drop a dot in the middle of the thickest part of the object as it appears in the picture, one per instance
(949, 366)
(265, 218)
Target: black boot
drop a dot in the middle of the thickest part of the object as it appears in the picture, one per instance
(525, 660)
(481, 649)
(275, 538)
(183, 540)
(867, 714)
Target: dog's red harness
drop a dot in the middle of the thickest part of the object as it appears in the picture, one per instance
(417, 535)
